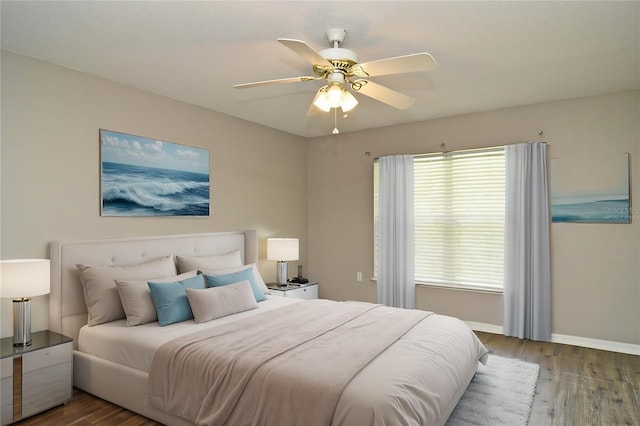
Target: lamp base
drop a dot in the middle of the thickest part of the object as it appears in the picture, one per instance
(283, 273)
(22, 322)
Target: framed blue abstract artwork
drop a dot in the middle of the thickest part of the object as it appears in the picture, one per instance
(595, 191)
(147, 177)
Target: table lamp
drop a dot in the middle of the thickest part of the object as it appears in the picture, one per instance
(282, 250)
(21, 279)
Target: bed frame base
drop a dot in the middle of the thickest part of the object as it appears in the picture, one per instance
(104, 379)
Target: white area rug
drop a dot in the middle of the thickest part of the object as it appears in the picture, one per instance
(501, 393)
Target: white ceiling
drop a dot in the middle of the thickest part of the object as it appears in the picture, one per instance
(491, 55)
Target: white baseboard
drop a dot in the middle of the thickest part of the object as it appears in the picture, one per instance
(606, 345)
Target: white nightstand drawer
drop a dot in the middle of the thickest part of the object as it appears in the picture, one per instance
(46, 357)
(310, 292)
(56, 379)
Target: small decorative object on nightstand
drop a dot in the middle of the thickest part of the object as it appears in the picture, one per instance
(37, 377)
(297, 291)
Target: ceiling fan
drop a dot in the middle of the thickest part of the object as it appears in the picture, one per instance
(340, 68)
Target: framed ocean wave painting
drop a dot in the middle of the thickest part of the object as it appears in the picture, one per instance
(146, 177)
(595, 191)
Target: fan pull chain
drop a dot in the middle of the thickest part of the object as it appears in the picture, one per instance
(335, 122)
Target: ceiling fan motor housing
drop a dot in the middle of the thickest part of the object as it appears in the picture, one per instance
(341, 59)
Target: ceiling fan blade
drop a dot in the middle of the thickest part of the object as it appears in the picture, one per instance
(396, 65)
(382, 94)
(306, 51)
(270, 82)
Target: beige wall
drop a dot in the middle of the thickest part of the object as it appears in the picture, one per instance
(595, 267)
(50, 166)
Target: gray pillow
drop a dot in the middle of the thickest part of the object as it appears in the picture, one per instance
(216, 302)
(100, 291)
(213, 261)
(136, 298)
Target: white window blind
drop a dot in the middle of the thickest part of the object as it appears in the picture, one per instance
(459, 218)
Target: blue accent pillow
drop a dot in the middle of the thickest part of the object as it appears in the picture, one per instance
(170, 299)
(236, 277)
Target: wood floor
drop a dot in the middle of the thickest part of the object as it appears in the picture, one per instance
(577, 386)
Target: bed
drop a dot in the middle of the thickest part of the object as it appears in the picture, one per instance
(418, 378)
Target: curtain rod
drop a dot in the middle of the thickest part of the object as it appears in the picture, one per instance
(444, 151)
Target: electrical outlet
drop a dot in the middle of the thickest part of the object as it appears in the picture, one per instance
(358, 276)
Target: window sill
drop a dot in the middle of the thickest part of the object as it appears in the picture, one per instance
(455, 287)
(462, 288)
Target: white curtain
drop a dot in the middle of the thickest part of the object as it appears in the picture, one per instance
(396, 282)
(527, 280)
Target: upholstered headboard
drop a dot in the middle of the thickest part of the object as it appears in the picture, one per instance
(67, 309)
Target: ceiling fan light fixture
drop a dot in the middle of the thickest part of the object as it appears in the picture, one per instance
(321, 100)
(335, 95)
(349, 101)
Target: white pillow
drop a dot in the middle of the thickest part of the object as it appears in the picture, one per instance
(256, 274)
(99, 287)
(216, 302)
(136, 298)
(215, 261)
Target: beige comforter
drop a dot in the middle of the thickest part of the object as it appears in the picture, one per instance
(291, 367)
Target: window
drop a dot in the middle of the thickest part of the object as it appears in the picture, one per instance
(459, 201)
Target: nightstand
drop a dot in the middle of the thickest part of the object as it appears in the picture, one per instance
(37, 377)
(297, 291)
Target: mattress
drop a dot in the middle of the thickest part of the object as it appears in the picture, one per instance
(136, 346)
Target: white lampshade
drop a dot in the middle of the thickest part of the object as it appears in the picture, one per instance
(349, 102)
(21, 278)
(335, 95)
(282, 249)
(321, 100)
